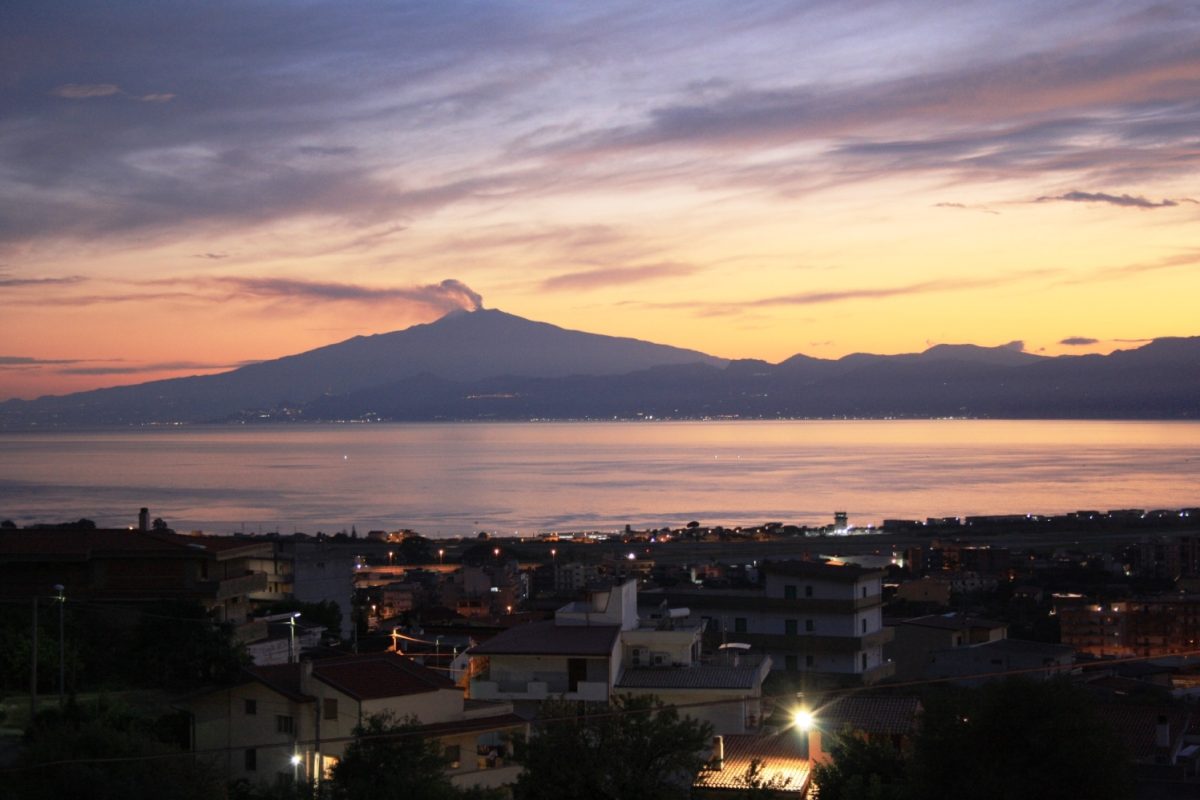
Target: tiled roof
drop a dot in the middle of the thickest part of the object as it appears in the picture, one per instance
(499, 722)
(820, 570)
(699, 676)
(952, 622)
(363, 677)
(379, 675)
(870, 714)
(549, 639)
(781, 756)
(1136, 725)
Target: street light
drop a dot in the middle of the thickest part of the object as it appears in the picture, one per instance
(62, 645)
(441, 552)
(292, 637)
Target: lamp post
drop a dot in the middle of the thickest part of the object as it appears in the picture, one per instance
(441, 553)
(292, 637)
(62, 646)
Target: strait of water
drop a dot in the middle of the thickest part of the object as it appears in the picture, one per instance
(455, 479)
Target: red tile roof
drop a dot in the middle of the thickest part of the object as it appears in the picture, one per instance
(782, 757)
(880, 715)
(363, 677)
(1136, 725)
(549, 639)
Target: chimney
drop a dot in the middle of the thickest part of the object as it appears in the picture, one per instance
(144, 520)
(718, 752)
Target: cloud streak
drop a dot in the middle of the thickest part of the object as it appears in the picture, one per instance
(1078, 341)
(616, 276)
(1123, 200)
(448, 295)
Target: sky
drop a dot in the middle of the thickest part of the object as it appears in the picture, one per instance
(186, 187)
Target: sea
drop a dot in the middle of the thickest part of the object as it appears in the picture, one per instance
(456, 479)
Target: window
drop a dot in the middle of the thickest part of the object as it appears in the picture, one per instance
(283, 723)
(864, 661)
(250, 759)
(330, 710)
(864, 624)
(808, 591)
(251, 706)
(808, 661)
(808, 625)
(453, 754)
(789, 627)
(739, 625)
(789, 592)
(864, 593)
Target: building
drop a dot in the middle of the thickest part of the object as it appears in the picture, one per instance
(134, 566)
(1153, 626)
(816, 617)
(600, 646)
(915, 639)
(293, 721)
(976, 663)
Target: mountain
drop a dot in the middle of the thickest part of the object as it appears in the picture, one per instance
(490, 365)
(462, 346)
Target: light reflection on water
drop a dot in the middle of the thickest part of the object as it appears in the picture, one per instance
(452, 479)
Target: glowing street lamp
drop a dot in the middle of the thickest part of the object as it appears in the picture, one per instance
(441, 553)
(292, 637)
(803, 719)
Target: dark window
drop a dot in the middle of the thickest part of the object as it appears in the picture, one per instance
(789, 627)
(864, 592)
(808, 591)
(864, 661)
(330, 708)
(576, 672)
(251, 706)
(864, 625)
(808, 625)
(789, 592)
(808, 661)
(739, 625)
(251, 759)
(283, 723)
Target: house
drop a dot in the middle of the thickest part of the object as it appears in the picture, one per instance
(977, 663)
(293, 721)
(600, 646)
(882, 718)
(781, 759)
(916, 638)
(814, 617)
(135, 566)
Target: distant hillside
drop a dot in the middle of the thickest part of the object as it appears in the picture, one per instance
(492, 365)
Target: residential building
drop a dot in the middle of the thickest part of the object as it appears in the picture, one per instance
(816, 617)
(915, 639)
(600, 646)
(293, 721)
(974, 664)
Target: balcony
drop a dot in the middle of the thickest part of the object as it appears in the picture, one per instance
(233, 587)
(538, 690)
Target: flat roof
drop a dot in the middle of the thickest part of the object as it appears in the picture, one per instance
(548, 639)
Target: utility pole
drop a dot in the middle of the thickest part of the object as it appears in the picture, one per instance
(292, 637)
(62, 647)
(33, 682)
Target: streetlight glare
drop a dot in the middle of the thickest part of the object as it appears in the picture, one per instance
(803, 719)
(295, 761)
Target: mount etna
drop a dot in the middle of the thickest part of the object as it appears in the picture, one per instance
(489, 365)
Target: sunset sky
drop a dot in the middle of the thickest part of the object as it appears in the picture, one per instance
(187, 187)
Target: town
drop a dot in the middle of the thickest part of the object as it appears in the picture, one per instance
(272, 660)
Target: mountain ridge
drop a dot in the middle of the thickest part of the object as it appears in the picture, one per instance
(488, 364)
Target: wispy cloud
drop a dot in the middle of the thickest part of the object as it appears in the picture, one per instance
(616, 276)
(1078, 341)
(16, 283)
(85, 91)
(449, 295)
(139, 369)
(965, 207)
(1125, 200)
(29, 361)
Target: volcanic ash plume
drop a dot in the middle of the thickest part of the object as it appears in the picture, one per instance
(457, 295)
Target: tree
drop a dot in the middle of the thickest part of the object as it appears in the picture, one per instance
(1017, 738)
(390, 759)
(632, 749)
(861, 769)
(105, 753)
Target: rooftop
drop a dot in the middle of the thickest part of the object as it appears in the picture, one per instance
(781, 758)
(546, 638)
(363, 677)
(890, 716)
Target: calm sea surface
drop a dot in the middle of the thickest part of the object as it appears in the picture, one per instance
(453, 479)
